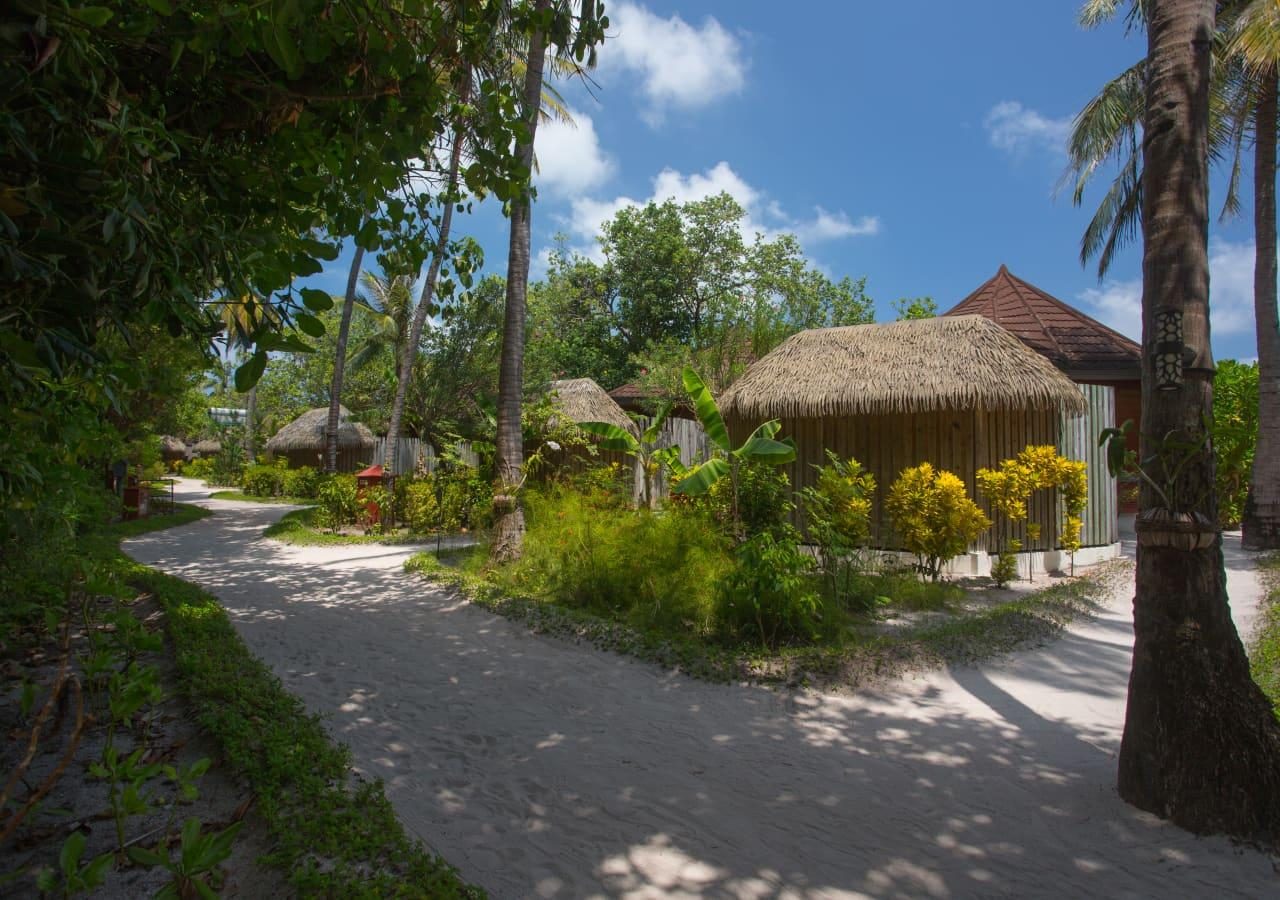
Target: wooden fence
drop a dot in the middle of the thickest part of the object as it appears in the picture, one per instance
(413, 454)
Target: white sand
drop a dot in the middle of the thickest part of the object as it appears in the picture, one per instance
(540, 768)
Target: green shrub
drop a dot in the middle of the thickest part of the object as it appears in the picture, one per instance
(653, 570)
(201, 468)
(837, 511)
(934, 516)
(764, 500)
(466, 498)
(1005, 568)
(339, 503)
(263, 481)
(769, 593)
(418, 506)
(302, 482)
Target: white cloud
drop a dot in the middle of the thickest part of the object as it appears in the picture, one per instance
(764, 216)
(570, 160)
(679, 65)
(1014, 128)
(1119, 303)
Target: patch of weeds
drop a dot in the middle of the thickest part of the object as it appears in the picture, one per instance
(1264, 652)
(853, 663)
(242, 497)
(299, 528)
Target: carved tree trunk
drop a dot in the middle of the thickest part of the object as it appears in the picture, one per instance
(1262, 510)
(508, 526)
(1201, 743)
(340, 365)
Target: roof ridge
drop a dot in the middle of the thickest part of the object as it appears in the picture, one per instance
(1076, 313)
(1017, 284)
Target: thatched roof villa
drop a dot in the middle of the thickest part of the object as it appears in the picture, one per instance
(207, 447)
(582, 400)
(959, 392)
(302, 441)
(173, 449)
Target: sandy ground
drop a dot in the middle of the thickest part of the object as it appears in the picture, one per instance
(544, 769)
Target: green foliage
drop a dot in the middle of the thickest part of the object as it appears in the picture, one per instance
(72, 877)
(837, 512)
(1235, 434)
(264, 481)
(302, 482)
(934, 516)
(769, 595)
(1004, 569)
(338, 502)
(655, 571)
(419, 506)
(915, 308)
(1264, 651)
(763, 501)
(200, 852)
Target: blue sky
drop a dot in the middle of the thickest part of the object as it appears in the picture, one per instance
(921, 154)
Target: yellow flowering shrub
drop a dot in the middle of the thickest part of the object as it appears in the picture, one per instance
(934, 516)
(1038, 467)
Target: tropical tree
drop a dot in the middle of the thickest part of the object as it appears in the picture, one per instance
(1242, 102)
(1201, 741)
(340, 363)
(642, 447)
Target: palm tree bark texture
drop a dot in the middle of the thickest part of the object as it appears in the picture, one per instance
(508, 525)
(1261, 522)
(1201, 743)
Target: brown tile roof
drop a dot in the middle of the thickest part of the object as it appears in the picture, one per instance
(1080, 346)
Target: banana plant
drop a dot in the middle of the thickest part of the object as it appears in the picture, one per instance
(761, 446)
(643, 448)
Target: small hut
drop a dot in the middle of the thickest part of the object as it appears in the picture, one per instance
(302, 441)
(959, 392)
(172, 449)
(207, 447)
(582, 400)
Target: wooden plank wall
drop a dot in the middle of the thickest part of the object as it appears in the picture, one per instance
(1079, 440)
(414, 453)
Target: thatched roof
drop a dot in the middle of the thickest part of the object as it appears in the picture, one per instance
(958, 362)
(207, 446)
(582, 400)
(307, 432)
(172, 448)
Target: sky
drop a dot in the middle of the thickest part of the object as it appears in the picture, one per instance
(921, 154)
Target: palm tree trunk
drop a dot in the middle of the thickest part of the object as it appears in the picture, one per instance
(340, 364)
(251, 415)
(1261, 522)
(1201, 743)
(410, 352)
(508, 526)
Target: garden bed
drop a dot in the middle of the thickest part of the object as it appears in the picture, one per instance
(241, 497)
(984, 622)
(298, 527)
(1264, 655)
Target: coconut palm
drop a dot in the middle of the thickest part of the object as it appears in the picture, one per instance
(1242, 103)
(339, 364)
(1201, 742)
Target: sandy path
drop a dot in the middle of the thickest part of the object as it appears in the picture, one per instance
(545, 769)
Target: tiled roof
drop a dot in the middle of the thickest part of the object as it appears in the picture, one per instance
(1080, 346)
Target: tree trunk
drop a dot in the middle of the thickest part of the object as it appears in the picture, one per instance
(1201, 743)
(410, 352)
(508, 526)
(251, 416)
(1261, 522)
(340, 365)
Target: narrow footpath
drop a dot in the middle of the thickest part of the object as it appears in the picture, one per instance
(545, 769)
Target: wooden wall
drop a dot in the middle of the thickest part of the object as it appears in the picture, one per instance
(960, 442)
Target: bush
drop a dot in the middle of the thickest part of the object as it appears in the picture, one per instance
(653, 570)
(338, 502)
(764, 500)
(838, 518)
(417, 505)
(198, 468)
(263, 481)
(769, 593)
(1004, 569)
(934, 516)
(302, 482)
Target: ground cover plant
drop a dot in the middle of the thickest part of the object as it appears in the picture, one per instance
(1264, 655)
(100, 679)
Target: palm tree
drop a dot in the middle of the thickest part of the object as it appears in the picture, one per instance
(339, 364)
(1242, 101)
(508, 526)
(1257, 44)
(389, 300)
(1201, 742)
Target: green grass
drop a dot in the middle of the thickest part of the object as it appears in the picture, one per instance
(335, 835)
(242, 497)
(856, 662)
(297, 528)
(1264, 656)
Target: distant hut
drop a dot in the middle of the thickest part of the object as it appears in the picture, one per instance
(582, 400)
(1103, 361)
(172, 449)
(958, 392)
(207, 447)
(302, 441)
